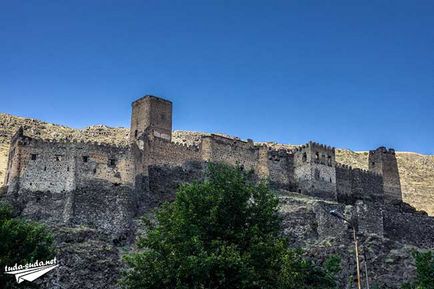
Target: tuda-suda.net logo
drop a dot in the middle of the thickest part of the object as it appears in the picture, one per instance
(31, 271)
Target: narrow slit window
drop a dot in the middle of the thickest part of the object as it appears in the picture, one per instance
(34, 157)
(112, 162)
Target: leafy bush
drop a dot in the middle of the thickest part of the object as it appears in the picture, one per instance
(424, 271)
(223, 232)
(21, 242)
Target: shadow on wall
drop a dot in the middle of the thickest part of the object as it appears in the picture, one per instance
(107, 207)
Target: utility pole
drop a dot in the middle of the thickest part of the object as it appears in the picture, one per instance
(366, 268)
(356, 245)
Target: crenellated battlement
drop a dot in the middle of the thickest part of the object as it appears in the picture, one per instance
(31, 140)
(277, 155)
(176, 145)
(343, 166)
(319, 146)
(228, 140)
(382, 150)
(367, 172)
(310, 168)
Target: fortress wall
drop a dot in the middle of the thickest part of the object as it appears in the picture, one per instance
(383, 161)
(324, 181)
(316, 180)
(262, 167)
(163, 152)
(45, 166)
(169, 165)
(280, 166)
(220, 149)
(314, 170)
(56, 166)
(107, 164)
(344, 183)
(358, 184)
(153, 115)
(366, 185)
(13, 165)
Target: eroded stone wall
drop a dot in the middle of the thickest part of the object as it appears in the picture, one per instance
(383, 161)
(280, 168)
(151, 115)
(57, 166)
(357, 184)
(220, 149)
(314, 170)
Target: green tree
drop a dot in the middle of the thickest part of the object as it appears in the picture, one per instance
(21, 242)
(424, 271)
(223, 232)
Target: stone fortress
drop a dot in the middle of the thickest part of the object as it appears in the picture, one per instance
(70, 184)
(151, 166)
(62, 166)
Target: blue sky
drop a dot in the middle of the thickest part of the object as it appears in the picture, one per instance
(352, 74)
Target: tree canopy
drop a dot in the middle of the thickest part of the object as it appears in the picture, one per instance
(223, 232)
(21, 242)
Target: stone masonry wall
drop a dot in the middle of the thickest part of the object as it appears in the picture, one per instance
(162, 152)
(220, 149)
(383, 161)
(369, 217)
(358, 184)
(280, 166)
(152, 115)
(314, 170)
(366, 185)
(56, 166)
(344, 184)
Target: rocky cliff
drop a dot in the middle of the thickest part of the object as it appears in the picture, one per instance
(416, 170)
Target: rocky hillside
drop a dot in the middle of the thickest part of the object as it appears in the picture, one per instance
(416, 170)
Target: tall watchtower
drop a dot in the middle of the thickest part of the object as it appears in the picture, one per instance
(383, 161)
(151, 115)
(315, 170)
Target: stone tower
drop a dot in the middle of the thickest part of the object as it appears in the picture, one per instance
(383, 161)
(315, 170)
(151, 115)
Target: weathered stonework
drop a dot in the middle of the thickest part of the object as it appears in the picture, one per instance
(151, 166)
(315, 170)
(383, 162)
(106, 186)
